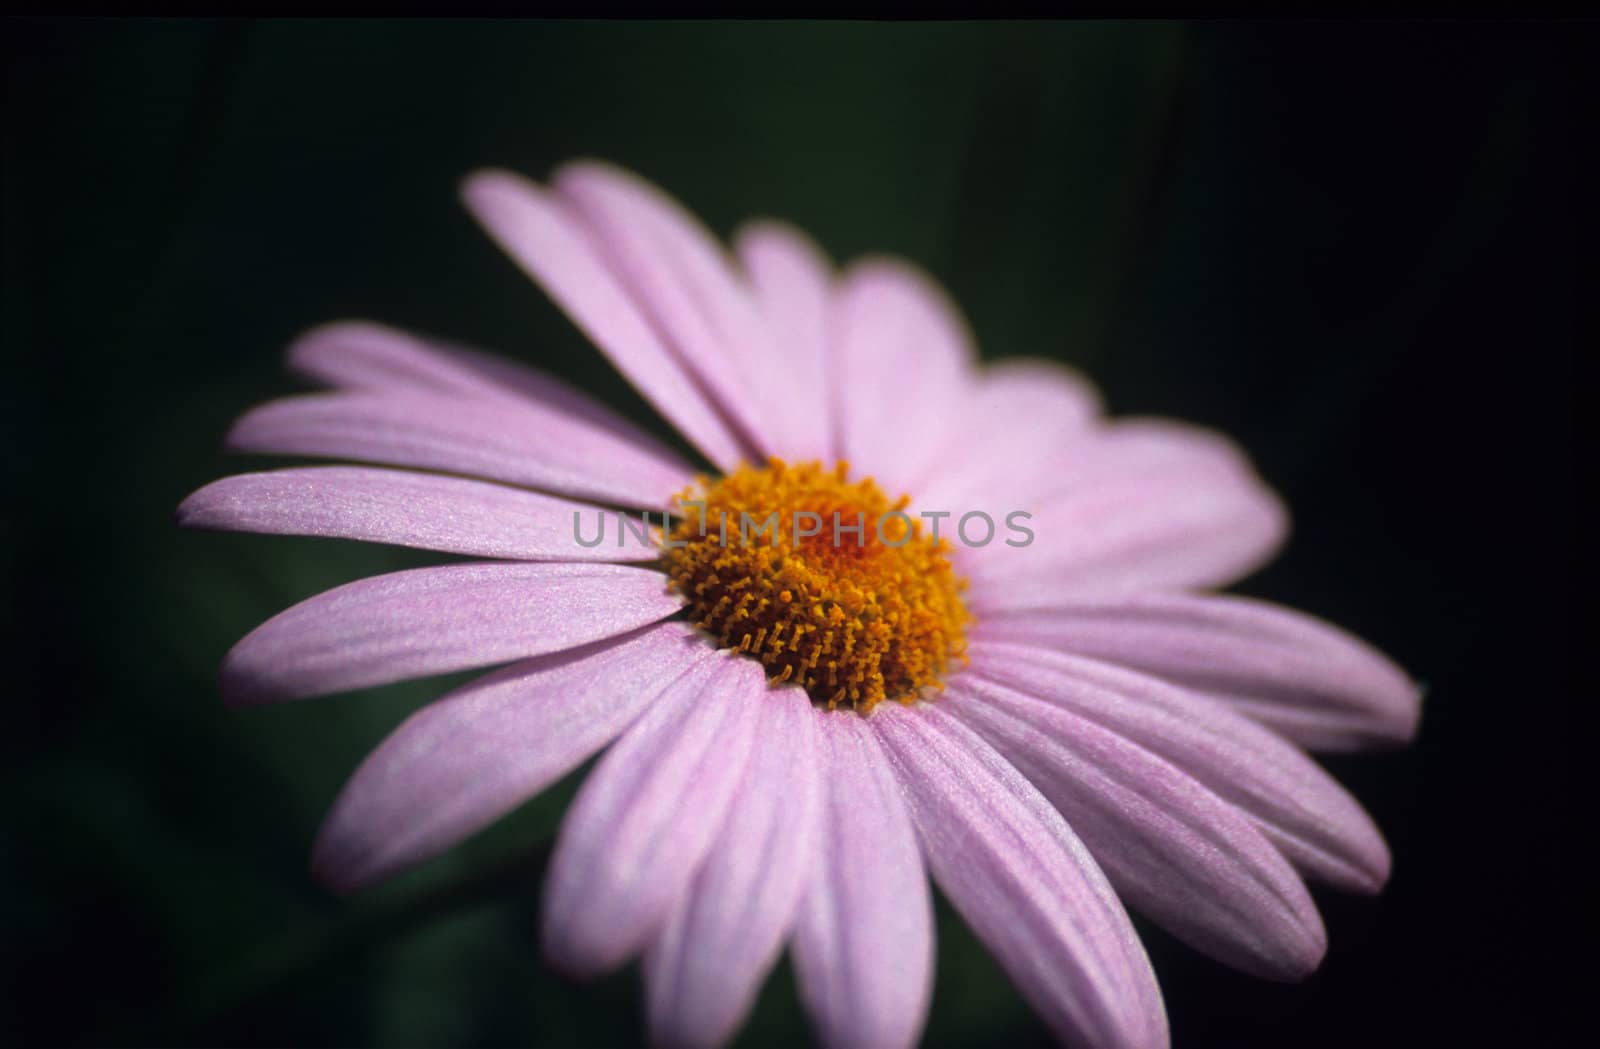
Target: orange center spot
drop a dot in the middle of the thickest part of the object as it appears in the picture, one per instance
(864, 608)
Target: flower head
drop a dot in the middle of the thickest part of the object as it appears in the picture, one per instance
(1040, 705)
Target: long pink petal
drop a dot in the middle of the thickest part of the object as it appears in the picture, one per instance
(683, 281)
(646, 817)
(1173, 849)
(1322, 830)
(460, 763)
(1144, 506)
(419, 510)
(1308, 679)
(703, 972)
(903, 361)
(792, 282)
(1017, 423)
(1024, 882)
(548, 240)
(434, 620)
(362, 355)
(863, 943)
(516, 444)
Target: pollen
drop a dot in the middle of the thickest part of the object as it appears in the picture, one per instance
(829, 583)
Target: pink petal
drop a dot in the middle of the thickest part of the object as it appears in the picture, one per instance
(863, 943)
(1023, 882)
(517, 444)
(1309, 680)
(459, 764)
(682, 280)
(360, 355)
(903, 362)
(426, 511)
(792, 282)
(704, 971)
(434, 620)
(1145, 506)
(1173, 849)
(1315, 823)
(541, 232)
(646, 817)
(1016, 424)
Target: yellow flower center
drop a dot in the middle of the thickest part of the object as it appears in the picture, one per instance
(830, 584)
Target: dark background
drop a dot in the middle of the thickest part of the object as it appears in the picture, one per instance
(1351, 246)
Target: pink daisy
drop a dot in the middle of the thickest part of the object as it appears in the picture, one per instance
(1074, 723)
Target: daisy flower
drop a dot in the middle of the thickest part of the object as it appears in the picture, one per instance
(1010, 675)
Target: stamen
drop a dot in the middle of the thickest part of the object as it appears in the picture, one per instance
(853, 617)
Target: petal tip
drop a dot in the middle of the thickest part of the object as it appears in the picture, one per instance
(595, 169)
(1368, 863)
(193, 511)
(1376, 875)
(245, 435)
(1300, 955)
(312, 342)
(1408, 713)
(243, 684)
(487, 190)
(335, 869)
(571, 961)
(756, 234)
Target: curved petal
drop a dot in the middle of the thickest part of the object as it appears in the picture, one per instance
(792, 282)
(1322, 830)
(1045, 392)
(434, 620)
(1016, 424)
(419, 510)
(645, 818)
(1307, 679)
(1144, 506)
(702, 974)
(557, 249)
(1023, 882)
(903, 361)
(362, 355)
(682, 280)
(462, 762)
(1173, 849)
(517, 444)
(863, 941)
